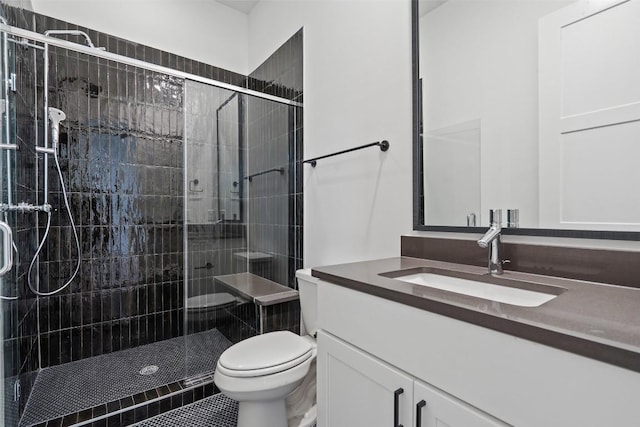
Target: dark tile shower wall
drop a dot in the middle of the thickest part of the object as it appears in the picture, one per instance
(122, 162)
(275, 200)
(121, 155)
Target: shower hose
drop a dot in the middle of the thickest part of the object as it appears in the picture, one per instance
(46, 233)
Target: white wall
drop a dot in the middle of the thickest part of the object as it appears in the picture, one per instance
(198, 29)
(357, 89)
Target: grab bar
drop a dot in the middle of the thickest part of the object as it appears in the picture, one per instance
(7, 248)
(207, 266)
(384, 146)
(250, 177)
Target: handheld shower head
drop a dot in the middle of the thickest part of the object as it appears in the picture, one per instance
(55, 117)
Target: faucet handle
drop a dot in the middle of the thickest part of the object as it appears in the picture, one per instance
(471, 220)
(513, 218)
(495, 217)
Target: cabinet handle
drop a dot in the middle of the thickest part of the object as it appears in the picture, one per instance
(396, 406)
(419, 407)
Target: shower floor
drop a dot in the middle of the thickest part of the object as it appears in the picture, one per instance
(214, 411)
(76, 386)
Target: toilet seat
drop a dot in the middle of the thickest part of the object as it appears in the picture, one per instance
(265, 355)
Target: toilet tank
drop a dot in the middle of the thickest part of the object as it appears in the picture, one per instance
(308, 293)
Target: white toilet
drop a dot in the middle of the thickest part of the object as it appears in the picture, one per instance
(261, 371)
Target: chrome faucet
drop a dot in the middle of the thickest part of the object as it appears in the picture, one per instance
(491, 240)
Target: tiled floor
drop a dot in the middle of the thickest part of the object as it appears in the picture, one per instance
(75, 386)
(214, 411)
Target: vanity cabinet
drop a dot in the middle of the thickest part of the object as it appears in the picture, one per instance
(360, 390)
(433, 408)
(468, 375)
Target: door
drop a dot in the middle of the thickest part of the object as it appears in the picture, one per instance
(356, 389)
(434, 408)
(589, 115)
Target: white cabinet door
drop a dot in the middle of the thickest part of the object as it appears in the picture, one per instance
(356, 389)
(433, 408)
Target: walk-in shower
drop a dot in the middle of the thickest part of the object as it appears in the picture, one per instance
(138, 201)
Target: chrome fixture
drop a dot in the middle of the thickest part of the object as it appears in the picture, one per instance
(87, 39)
(513, 218)
(491, 240)
(471, 220)
(23, 207)
(55, 116)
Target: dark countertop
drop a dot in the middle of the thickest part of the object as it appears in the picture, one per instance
(596, 320)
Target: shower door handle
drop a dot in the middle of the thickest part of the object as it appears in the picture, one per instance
(7, 248)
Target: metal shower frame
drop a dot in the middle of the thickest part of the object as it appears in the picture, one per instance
(98, 52)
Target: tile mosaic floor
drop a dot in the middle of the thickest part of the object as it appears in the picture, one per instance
(75, 386)
(214, 411)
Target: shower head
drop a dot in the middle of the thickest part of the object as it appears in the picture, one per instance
(87, 39)
(55, 117)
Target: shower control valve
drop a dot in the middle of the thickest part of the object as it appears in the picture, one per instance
(25, 207)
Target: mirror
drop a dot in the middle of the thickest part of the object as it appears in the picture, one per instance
(530, 105)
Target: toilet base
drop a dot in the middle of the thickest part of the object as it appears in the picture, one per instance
(271, 413)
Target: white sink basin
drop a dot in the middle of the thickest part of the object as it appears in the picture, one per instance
(498, 293)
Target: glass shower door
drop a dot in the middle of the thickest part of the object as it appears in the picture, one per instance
(240, 208)
(214, 212)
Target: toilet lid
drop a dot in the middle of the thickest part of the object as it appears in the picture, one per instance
(216, 300)
(265, 354)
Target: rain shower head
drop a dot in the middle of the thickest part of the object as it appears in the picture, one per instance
(55, 117)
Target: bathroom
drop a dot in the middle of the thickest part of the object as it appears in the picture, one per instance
(358, 88)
